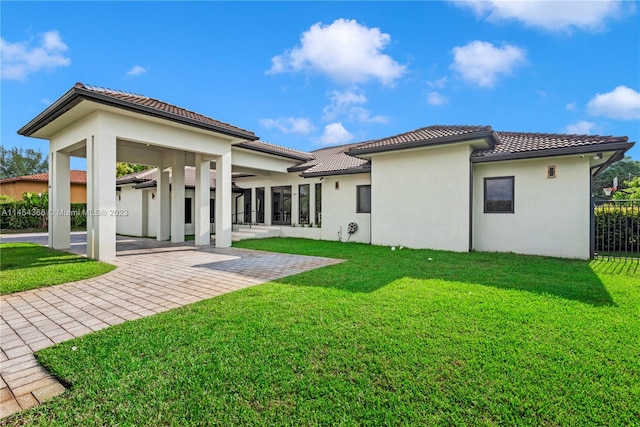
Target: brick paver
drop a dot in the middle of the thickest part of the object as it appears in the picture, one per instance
(151, 277)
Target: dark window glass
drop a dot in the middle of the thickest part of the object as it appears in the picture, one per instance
(187, 210)
(499, 195)
(212, 210)
(304, 191)
(318, 203)
(364, 199)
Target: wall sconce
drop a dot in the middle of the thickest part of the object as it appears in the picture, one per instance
(153, 195)
(598, 156)
(551, 171)
(337, 186)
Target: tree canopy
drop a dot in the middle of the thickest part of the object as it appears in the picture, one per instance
(127, 168)
(625, 170)
(19, 162)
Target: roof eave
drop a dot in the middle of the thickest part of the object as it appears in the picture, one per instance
(336, 172)
(622, 147)
(273, 152)
(489, 135)
(77, 94)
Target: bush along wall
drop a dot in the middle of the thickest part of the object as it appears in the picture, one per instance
(617, 227)
(33, 213)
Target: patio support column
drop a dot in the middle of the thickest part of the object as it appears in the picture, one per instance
(223, 200)
(163, 205)
(177, 197)
(59, 201)
(203, 193)
(101, 197)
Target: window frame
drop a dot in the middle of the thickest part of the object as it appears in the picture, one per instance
(513, 195)
(362, 209)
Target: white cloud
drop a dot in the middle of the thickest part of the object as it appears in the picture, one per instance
(438, 84)
(296, 125)
(341, 102)
(136, 70)
(22, 58)
(549, 15)
(582, 127)
(434, 98)
(334, 134)
(347, 103)
(345, 51)
(571, 106)
(483, 63)
(622, 103)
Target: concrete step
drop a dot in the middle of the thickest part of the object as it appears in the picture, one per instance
(260, 231)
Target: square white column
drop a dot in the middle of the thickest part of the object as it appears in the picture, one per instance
(203, 194)
(162, 204)
(177, 197)
(59, 201)
(223, 200)
(101, 197)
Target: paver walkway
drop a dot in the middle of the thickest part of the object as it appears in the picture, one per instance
(151, 277)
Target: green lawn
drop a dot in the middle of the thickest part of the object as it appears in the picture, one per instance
(25, 266)
(385, 338)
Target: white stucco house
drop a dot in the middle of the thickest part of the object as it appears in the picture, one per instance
(457, 188)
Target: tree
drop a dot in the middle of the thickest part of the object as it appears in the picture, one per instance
(19, 162)
(625, 170)
(629, 190)
(127, 168)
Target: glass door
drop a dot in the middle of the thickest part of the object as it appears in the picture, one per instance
(260, 205)
(281, 203)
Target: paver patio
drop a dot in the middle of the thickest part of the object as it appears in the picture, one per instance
(151, 277)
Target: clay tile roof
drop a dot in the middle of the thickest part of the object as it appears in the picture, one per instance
(75, 177)
(424, 136)
(523, 142)
(333, 160)
(278, 150)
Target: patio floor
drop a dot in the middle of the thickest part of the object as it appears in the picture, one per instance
(151, 277)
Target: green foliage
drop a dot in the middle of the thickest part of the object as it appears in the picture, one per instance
(617, 228)
(5, 198)
(622, 169)
(410, 337)
(33, 213)
(25, 266)
(629, 190)
(19, 162)
(123, 169)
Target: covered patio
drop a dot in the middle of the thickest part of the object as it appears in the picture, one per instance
(107, 126)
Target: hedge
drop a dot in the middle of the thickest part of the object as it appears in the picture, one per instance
(617, 227)
(33, 212)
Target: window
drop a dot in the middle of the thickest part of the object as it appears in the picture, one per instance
(187, 210)
(318, 203)
(212, 211)
(498, 194)
(303, 199)
(364, 198)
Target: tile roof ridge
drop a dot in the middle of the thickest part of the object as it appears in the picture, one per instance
(563, 135)
(107, 90)
(281, 146)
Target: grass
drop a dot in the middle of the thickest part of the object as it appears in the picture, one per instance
(25, 266)
(385, 338)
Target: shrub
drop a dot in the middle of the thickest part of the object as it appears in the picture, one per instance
(617, 227)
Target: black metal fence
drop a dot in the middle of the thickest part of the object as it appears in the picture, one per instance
(617, 228)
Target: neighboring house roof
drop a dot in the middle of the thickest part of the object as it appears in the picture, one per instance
(332, 161)
(76, 177)
(132, 102)
(278, 150)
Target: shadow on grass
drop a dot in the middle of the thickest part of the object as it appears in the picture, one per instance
(372, 267)
(23, 256)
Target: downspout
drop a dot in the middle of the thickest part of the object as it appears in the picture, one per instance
(470, 205)
(592, 224)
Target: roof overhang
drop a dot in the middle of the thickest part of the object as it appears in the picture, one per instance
(76, 95)
(617, 147)
(336, 172)
(479, 139)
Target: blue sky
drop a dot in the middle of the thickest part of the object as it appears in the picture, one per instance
(306, 75)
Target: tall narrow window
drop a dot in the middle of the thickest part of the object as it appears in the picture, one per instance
(212, 211)
(364, 199)
(187, 210)
(318, 218)
(303, 205)
(499, 194)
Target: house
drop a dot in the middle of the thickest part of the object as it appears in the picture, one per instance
(457, 188)
(39, 183)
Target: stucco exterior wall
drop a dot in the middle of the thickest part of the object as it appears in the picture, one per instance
(130, 200)
(551, 215)
(420, 198)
